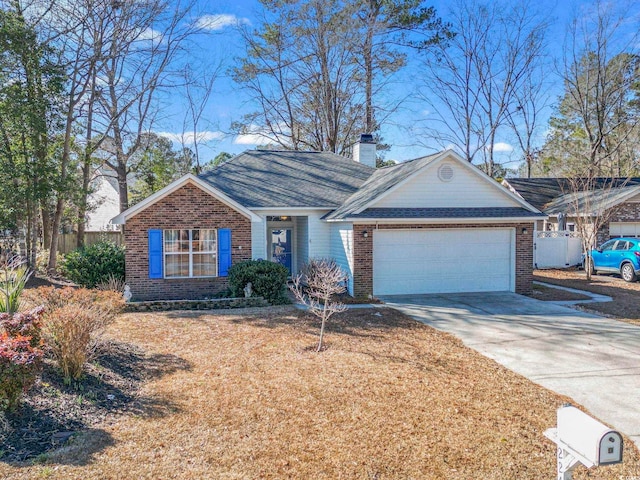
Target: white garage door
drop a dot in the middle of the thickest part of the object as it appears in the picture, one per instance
(443, 261)
(624, 229)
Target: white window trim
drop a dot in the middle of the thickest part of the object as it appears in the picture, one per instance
(190, 253)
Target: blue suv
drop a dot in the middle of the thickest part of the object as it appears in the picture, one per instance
(620, 255)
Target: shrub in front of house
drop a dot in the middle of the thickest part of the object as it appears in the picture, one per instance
(94, 264)
(20, 340)
(20, 364)
(268, 280)
(73, 320)
(24, 324)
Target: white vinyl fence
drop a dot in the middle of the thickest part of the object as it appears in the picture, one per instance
(557, 249)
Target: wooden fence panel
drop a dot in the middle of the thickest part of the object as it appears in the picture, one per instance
(67, 241)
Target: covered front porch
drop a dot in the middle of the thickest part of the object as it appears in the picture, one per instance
(290, 239)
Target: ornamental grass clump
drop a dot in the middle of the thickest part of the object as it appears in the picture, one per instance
(73, 321)
(14, 275)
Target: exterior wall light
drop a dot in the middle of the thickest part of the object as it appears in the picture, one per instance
(525, 231)
(365, 234)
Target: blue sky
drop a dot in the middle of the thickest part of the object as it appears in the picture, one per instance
(228, 102)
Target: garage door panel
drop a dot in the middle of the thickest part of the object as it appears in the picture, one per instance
(624, 229)
(442, 261)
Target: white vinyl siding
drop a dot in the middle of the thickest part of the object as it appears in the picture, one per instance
(465, 189)
(319, 236)
(443, 260)
(258, 239)
(301, 241)
(342, 250)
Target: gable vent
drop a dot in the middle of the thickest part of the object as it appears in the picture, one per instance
(445, 172)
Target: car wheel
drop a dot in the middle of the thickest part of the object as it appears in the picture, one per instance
(628, 273)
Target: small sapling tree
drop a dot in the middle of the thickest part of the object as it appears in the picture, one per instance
(316, 286)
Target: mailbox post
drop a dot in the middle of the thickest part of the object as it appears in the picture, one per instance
(582, 439)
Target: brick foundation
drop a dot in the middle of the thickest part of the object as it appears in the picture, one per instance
(189, 208)
(363, 254)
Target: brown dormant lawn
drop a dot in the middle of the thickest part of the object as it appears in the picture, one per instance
(388, 399)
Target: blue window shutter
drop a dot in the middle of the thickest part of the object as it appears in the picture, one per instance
(155, 254)
(224, 251)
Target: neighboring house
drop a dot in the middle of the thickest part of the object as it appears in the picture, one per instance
(619, 197)
(104, 204)
(433, 224)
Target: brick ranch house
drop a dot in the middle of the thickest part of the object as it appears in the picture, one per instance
(431, 225)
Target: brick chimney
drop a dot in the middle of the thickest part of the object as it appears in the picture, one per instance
(364, 150)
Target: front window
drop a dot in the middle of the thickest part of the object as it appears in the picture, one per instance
(190, 253)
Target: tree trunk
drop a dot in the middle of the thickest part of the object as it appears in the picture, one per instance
(121, 172)
(368, 66)
(47, 228)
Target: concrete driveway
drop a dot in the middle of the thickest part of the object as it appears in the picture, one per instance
(594, 360)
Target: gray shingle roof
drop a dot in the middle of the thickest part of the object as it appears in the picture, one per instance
(590, 202)
(381, 181)
(542, 192)
(281, 179)
(492, 212)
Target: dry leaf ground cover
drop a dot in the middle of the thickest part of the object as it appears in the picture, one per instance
(388, 399)
(626, 296)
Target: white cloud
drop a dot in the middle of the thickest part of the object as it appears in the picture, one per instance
(187, 138)
(255, 136)
(251, 139)
(220, 21)
(502, 147)
(149, 34)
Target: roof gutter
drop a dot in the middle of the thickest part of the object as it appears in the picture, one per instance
(441, 221)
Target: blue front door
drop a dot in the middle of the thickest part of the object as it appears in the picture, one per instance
(281, 246)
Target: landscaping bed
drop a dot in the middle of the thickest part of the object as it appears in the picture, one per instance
(243, 394)
(52, 412)
(625, 304)
(213, 304)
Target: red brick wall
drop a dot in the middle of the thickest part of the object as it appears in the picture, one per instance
(363, 254)
(627, 212)
(191, 208)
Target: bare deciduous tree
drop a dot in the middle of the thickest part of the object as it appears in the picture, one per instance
(590, 201)
(597, 119)
(136, 68)
(524, 120)
(319, 69)
(198, 86)
(473, 81)
(316, 287)
(301, 73)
